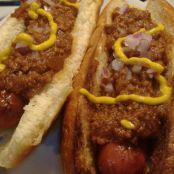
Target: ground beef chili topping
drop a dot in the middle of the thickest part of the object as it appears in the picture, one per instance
(28, 71)
(33, 69)
(105, 121)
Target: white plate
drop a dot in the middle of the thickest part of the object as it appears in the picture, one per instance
(46, 158)
(5, 10)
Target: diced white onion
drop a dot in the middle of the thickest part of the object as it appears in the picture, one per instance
(139, 41)
(38, 29)
(117, 64)
(136, 68)
(49, 2)
(123, 9)
(46, 8)
(151, 73)
(151, 76)
(105, 73)
(129, 75)
(109, 88)
(20, 45)
(131, 42)
(41, 29)
(143, 46)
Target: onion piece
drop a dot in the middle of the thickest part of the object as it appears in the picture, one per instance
(143, 46)
(123, 9)
(49, 2)
(46, 8)
(138, 41)
(117, 64)
(20, 45)
(109, 88)
(129, 75)
(44, 29)
(105, 73)
(143, 35)
(136, 68)
(151, 73)
(131, 42)
(38, 29)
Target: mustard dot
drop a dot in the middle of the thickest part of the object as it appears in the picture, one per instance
(2, 67)
(127, 124)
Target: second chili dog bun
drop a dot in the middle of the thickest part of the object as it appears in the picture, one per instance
(80, 152)
(43, 107)
(167, 17)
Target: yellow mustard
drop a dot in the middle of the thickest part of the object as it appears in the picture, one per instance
(2, 67)
(5, 53)
(76, 4)
(135, 60)
(164, 88)
(33, 12)
(3, 56)
(127, 124)
(34, 6)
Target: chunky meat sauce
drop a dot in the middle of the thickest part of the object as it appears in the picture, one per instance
(105, 128)
(33, 69)
(105, 123)
(28, 71)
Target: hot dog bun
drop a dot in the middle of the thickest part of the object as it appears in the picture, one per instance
(78, 152)
(44, 107)
(166, 17)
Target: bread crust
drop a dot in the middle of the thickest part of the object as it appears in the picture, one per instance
(44, 107)
(166, 16)
(72, 109)
(68, 134)
(76, 102)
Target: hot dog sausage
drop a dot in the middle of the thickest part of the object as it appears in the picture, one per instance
(119, 159)
(11, 108)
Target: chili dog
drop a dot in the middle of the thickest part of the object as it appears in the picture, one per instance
(41, 48)
(119, 118)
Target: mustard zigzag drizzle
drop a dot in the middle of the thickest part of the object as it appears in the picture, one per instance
(34, 11)
(164, 88)
(73, 4)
